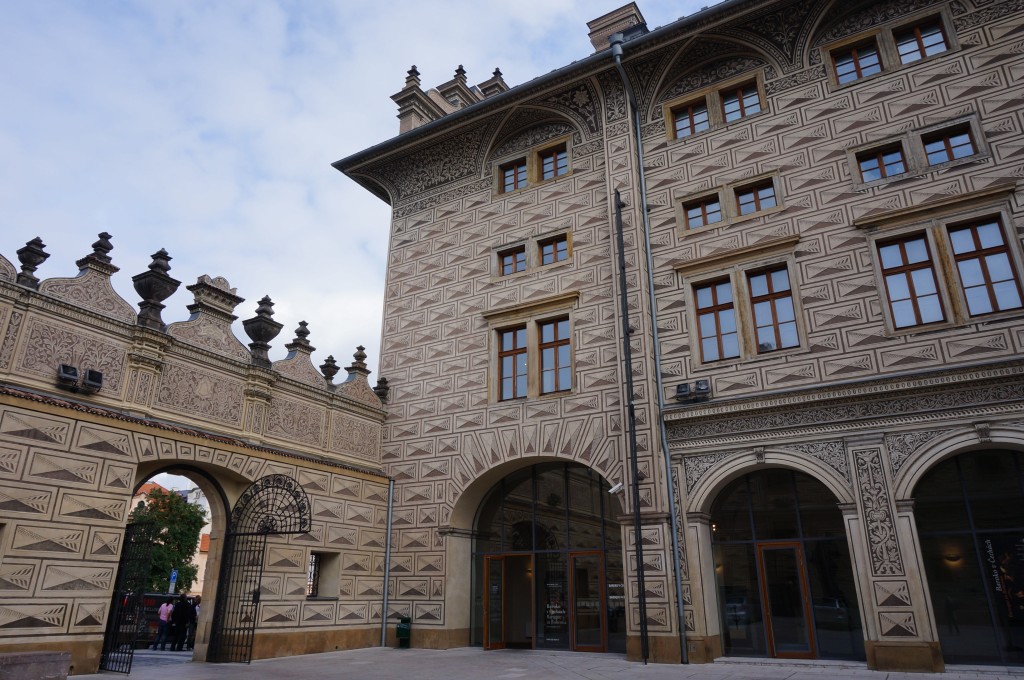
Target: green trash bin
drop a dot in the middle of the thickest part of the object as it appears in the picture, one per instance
(403, 631)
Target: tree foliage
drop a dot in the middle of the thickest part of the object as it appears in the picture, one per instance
(177, 524)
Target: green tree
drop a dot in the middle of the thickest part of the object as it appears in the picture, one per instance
(177, 524)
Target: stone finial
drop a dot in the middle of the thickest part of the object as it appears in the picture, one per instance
(412, 77)
(214, 296)
(99, 258)
(382, 389)
(497, 73)
(493, 85)
(261, 329)
(300, 343)
(460, 74)
(31, 256)
(153, 286)
(330, 369)
(358, 366)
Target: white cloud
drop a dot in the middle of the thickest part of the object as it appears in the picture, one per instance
(208, 129)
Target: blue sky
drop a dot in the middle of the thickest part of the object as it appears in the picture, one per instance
(208, 129)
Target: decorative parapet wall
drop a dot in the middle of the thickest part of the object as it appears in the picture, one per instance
(193, 371)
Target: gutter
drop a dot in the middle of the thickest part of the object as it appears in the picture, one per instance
(616, 41)
(518, 91)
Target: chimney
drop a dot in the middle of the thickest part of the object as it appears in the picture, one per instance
(626, 19)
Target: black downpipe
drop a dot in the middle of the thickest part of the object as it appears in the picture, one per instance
(627, 352)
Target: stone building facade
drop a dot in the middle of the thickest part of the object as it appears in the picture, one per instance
(826, 291)
(187, 398)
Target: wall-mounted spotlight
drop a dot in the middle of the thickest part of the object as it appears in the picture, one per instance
(691, 394)
(615, 489)
(68, 378)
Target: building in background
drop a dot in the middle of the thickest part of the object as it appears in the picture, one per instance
(821, 208)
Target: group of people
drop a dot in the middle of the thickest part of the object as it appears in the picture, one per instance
(177, 623)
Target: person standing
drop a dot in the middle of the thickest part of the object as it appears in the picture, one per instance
(163, 630)
(182, 617)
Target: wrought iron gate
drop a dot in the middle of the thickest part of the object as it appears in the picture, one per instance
(125, 619)
(275, 504)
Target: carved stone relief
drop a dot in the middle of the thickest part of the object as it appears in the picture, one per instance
(7, 270)
(355, 437)
(883, 545)
(901, 445)
(90, 289)
(183, 388)
(49, 345)
(697, 466)
(832, 454)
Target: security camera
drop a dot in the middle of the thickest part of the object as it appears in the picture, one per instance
(615, 489)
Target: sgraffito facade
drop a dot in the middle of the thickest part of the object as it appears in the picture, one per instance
(187, 398)
(835, 266)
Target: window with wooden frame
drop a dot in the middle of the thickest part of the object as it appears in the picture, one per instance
(554, 162)
(755, 197)
(771, 302)
(555, 356)
(911, 286)
(513, 361)
(703, 211)
(856, 62)
(513, 175)
(985, 267)
(512, 261)
(949, 144)
(920, 40)
(881, 162)
(690, 119)
(740, 101)
(554, 249)
(716, 321)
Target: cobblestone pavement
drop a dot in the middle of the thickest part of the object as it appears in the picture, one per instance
(471, 663)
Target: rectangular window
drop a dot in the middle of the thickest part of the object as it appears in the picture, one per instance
(921, 40)
(513, 176)
(771, 300)
(986, 271)
(690, 119)
(755, 198)
(716, 319)
(512, 261)
(743, 100)
(313, 576)
(554, 162)
(881, 163)
(854, 63)
(910, 282)
(554, 249)
(512, 357)
(555, 361)
(949, 145)
(703, 212)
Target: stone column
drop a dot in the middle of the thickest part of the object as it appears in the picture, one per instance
(898, 629)
(704, 641)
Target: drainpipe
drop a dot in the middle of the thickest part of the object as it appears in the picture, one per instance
(387, 567)
(616, 41)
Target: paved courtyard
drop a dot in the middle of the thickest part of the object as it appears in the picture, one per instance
(475, 664)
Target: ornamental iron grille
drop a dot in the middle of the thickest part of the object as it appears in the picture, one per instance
(275, 504)
(126, 622)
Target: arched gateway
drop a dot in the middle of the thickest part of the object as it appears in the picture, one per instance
(547, 563)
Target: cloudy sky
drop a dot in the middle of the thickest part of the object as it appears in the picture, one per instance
(208, 128)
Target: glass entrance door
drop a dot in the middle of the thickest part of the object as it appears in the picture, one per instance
(588, 620)
(786, 600)
(494, 603)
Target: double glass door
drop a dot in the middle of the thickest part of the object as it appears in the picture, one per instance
(786, 598)
(570, 600)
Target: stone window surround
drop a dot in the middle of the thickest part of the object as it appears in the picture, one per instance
(932, 222)
(914, 157)
(727, 198)
(712, 97)
(531, 315)
(329, 575)
(531, 245)
(736, 265)
(883, 37)
(534, 170)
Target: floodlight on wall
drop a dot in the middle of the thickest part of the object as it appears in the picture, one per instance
(683, 392)
(67, 377)
(692, 394)
(92, 381)
(702, 389)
